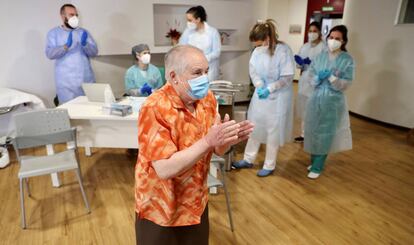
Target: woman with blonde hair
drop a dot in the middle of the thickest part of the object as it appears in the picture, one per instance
(271, 69)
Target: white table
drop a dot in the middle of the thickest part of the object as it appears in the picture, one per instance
(96, 129)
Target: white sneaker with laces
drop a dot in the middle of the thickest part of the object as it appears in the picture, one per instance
(312, 175)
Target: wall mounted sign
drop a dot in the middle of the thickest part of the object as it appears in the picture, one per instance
(295, 29)
(327, 8)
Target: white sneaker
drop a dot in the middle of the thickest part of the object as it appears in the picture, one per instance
(309, 167)
(312, 175)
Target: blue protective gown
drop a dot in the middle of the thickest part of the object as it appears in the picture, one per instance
(305, 88)
(209, 42)
(327, 127)
(135, 78)
(72, 66)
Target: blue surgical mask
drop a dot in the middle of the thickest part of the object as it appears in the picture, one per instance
(198, 87)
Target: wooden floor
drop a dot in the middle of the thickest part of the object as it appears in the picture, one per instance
(365, 196)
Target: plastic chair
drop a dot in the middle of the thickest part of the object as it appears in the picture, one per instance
(215, 182)
(225, 93)
(39, 128)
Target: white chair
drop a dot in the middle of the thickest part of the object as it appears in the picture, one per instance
(39, 128)
(215, 182)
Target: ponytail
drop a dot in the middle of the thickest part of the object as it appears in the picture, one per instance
(265, 29)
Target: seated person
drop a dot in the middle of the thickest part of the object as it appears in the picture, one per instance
(142, 78)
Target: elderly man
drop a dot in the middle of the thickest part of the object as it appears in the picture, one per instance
(71, 47)
(179, 130)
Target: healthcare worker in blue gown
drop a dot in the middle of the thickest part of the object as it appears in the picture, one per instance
(327, 128)
(205, 37)
(307, 53)
(271, 70)
(142, 78)
(71, 47)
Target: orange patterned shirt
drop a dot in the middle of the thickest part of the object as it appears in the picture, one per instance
(166, 126)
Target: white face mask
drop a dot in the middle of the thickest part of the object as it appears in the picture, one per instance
(312, 36)
(191, 25)
(262, 48)
(145, 59)
(73, 22)
(333, 44)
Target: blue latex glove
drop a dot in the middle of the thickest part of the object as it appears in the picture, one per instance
(84, 38)
(263, 93)
(307, 61)
(298, 60)
(322, 75)
(69, 41)
(146, 89)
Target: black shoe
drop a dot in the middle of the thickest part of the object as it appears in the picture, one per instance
(299, 139)
(242, 164)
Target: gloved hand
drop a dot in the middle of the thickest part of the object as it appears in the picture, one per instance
(222, 133)
(299, 60)
(146, 89)
(69, 40)
(307, 61)
(263, 93)
(84, 38)
(324, 74)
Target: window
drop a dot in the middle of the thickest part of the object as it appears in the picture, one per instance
(406, 12)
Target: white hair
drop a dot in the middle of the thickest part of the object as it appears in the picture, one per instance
(175, 59)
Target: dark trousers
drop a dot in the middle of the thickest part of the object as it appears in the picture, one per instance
(149, 233)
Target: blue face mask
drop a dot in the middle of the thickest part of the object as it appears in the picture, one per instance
(199, 87)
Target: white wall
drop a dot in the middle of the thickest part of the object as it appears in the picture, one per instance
(384, 84)
(285, 13)
(23, 28)
(24, 25)
(129, 26)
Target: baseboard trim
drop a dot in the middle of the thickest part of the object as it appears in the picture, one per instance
(378, 122)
